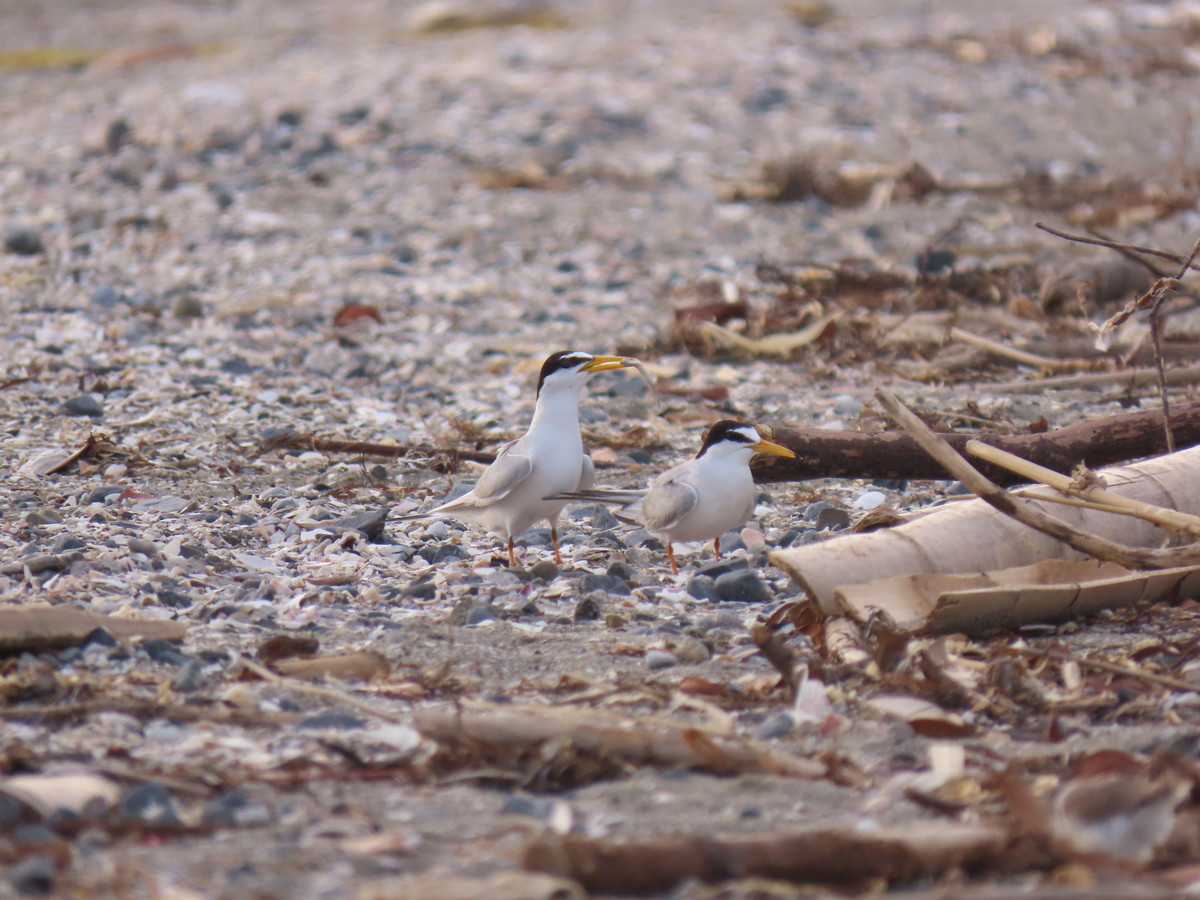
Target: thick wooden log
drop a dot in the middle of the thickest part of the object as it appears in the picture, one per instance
(892, 454)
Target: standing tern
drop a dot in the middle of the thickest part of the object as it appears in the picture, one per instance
(700, 499)
(548, 459)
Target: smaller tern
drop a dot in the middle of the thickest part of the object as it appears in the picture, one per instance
(510, 496)
(697, 500)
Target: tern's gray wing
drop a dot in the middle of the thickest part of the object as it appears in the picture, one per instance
(501, 477)
(666, 504)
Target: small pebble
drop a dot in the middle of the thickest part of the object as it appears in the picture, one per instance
(846, 407)
(440, 553)
(187, 679)
(717, 567)
(149, 803)
(234, 809)
(742, 586)
(335, 720)
(369, 524)
(732, 540)
(775, 726)
(106, 297)
(83, 405)
(609, 584)
(23, 241)
(660, 659)
(832, 519)
(544, 569)
(481, 612)
(65, 542)
(188, 306)
(588, 608)
(702, 587)
(100, 637)
(163, 651)
(691, 650)
(33, 875)
(869, 500)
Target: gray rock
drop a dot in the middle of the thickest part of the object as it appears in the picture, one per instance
(692, 651)
(742, 586)
(832, 519)
(149, 803)
(660, 659)
(715, 568)
(544, 569)
(34, 875)
(480, 612)
(732, 540)
(608, 584)
(775, 726)
(163, 651)
(589, 607)
(23, 241)
(43, 517)
(100, 637)
(234, 809)
(106, 297)
(187, 679)
(369, 524)
(65, 542)
(188, 306)
(338, 721)
(83, 405)
(440, 553)
(702, 587)
(102, 493)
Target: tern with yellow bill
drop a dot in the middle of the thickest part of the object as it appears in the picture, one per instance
(511, 495)
(697, 500)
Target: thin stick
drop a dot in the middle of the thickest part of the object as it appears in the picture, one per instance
(1007, 351)
(1156, 337)
(1187, 263)
(1112, 668)
(1129, 379)
(316, 690)
(1023, 509)
(1097, 496)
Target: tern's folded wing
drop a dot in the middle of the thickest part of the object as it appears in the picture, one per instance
(666, 503)
(501, 477)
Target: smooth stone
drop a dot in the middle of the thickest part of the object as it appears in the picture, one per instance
(34, 875)
(621, 570)
(100, 637)
(440, 553)
(337, 720)
(660, 659)
(691, 650)
(12, 813)
(480, 613)
(715, 568)
(722, 620)
(187, 679)
(702, 587)
(188, 306)
(102, 493)
(106, 297)
(162, 650)
(743, 586)
(544, 569)
(23, 240)
(602, 518)
(422, 589)
(149, 803)
(775, 726)
(608, 584)
(832, 519)
(369, 524)
(846, 407)
(83, 405)
(438, 530)
(43, 517)
(65, 542)
(234, 809)
(869, 500)
(789, 537)
(588, 608)
(730, 541)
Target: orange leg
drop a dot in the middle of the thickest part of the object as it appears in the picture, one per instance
(554, 540)
(512, 557)
(671, 557)
(717, 548)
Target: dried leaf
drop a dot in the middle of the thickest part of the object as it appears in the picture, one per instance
(366, 666)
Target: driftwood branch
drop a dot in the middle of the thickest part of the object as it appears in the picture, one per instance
(893, 454)
(1026, 511)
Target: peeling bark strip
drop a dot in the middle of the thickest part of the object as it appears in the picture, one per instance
(832, 855)
(892, 454)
